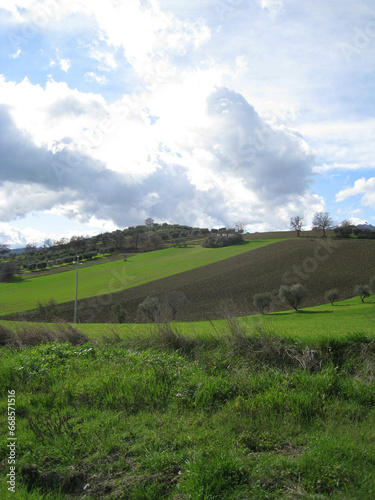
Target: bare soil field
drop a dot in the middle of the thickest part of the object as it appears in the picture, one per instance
(226, 288)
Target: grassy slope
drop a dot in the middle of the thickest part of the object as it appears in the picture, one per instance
(237, 417)
(114, 276)
(309, 325)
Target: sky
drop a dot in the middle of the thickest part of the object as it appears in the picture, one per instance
(196, 112)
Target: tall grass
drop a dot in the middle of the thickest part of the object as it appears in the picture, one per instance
(242, 413)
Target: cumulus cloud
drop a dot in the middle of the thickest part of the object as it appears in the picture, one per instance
(362, 187)
(229, 149)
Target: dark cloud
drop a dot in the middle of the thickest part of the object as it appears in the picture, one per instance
(76, 178)
(274, 163)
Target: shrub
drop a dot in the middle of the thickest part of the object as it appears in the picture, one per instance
(149, 309)
(293, 295)
(262, 300)
(222, 241)
(372, 284)
(332, 295)
(8, 271)
(174, 300)
(120, 313)
(363, 291)
(47, 311)
(41, 265)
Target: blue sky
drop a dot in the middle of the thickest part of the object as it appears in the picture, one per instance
(195, 112)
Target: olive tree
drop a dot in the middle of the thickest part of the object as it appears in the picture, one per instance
(149, 309)
(362, 291)
(175, 300)
(332, 295)
(293, 295)
(262, 300)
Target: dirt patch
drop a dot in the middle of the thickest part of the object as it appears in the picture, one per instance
(226, 288)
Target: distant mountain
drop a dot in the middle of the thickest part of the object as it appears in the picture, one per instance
(366, 226)
(18, 250)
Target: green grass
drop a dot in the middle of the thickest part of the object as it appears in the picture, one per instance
(114, 276)
(308, 325)
(244, 415)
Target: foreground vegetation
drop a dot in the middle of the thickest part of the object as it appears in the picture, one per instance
(239, 414)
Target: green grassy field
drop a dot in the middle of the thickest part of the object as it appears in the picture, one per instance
(308, 325)
(244, 414)
(114, 276)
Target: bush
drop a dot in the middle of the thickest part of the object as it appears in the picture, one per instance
(363, 291)
(262, 300)
(149, 309)
(8, 271)
(372, 284)
(41, 265)
(120, 313)
(222, 241)
(332, 295)
(47, 311)
(293, 295)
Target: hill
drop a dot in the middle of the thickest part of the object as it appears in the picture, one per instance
(109, 277)
(227, 287)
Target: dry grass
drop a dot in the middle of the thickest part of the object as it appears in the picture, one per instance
(33, 335)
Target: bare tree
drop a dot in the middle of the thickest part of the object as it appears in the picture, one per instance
(296, 223)
(239, 226)
(322, 220)
(149, 223)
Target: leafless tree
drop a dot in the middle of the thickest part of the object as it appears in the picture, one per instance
(322, 220)
(296, 223)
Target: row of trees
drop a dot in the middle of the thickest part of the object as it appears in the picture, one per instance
(294, 295)
(321, 220)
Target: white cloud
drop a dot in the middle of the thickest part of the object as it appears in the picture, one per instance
(362, 187)
(107, 60)
(273, 6)
(65, 64)
(102, 80)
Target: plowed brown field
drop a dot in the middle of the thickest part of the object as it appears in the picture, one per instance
(227, 287)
